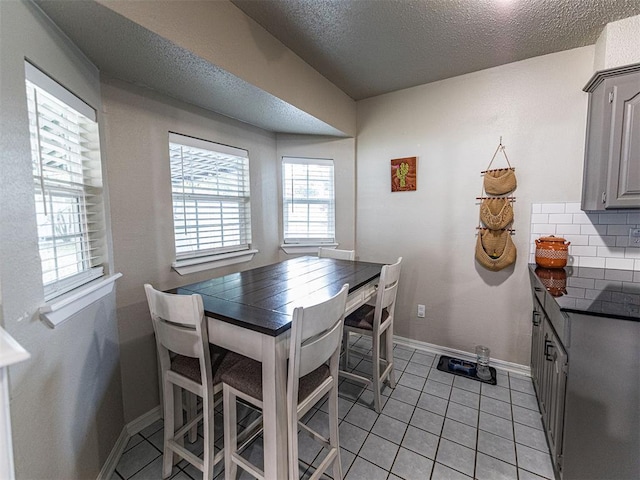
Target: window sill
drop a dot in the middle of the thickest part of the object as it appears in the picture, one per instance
(300, 248)
(199, 264)
(64, 307)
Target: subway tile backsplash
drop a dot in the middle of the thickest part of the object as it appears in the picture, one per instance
(598, 240)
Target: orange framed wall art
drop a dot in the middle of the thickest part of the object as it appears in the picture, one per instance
(404, 174)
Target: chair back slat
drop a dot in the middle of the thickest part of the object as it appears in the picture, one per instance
(387, 290)
(324, 252)
(316, 332)
(179, 339)
(388, 295)
(319, 349)
(178, 322)
(184, 309)
(319, 317)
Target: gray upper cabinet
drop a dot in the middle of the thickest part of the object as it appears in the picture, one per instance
(612, 153)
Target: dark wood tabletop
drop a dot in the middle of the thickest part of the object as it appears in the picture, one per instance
(263, 299)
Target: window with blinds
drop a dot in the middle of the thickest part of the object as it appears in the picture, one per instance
(67, 173)
(308, 200)
(211, 201)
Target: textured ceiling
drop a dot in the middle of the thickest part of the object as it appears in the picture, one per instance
(365, 47)
(371, 47)
(123, 49)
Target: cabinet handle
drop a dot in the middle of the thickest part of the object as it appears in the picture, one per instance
(547, 346)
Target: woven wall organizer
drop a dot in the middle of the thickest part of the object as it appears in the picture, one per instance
(495, 249)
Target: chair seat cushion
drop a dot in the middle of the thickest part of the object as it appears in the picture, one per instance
(221, 361)
(363, 317)
(246, 376)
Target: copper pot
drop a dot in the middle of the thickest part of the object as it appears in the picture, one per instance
(554, 280)
(552, 252)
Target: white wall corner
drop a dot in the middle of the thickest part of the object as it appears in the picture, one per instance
(129, 430)
(618, 44)
(600, 53)
(11, 352)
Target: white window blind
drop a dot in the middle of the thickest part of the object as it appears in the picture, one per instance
(211, 201)
(308, 200)
(67, 175)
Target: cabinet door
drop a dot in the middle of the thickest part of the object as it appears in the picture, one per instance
(555, 377)
(537, 344)
(623, 181)
(596, 150)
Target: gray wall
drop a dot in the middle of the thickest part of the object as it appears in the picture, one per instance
(342, 152)
(90, 348)
(137, 122)
(137, 125)
(453, 127)
(69, 402)
(66, 403)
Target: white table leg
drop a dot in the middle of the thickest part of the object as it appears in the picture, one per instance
(274, 398)
(272, 352)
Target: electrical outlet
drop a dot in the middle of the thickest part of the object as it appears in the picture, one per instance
(634, 237)
(420, 311)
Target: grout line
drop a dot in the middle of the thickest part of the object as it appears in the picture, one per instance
(513, 427)
(435, 455)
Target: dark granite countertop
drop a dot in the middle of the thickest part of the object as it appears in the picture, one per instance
(593, 291)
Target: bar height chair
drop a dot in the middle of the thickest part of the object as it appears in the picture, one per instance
(376, 321)
(187, 362)
(324, 252)
(316, 332)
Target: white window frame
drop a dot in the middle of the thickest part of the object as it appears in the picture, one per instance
(307, 242)
(64, 135)
(206, 245)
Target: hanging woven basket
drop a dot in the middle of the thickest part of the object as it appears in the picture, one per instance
(500, 181)
(495, 250)
(496, 213)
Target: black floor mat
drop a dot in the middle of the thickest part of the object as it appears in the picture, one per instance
(443, 366)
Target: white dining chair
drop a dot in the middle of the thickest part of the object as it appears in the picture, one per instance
(314, 355)
(187, 362)
(324, 252)
(376, 321)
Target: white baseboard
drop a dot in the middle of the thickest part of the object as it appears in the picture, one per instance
(109, 466)
(129, 430)
(143, 421)
(452, 352)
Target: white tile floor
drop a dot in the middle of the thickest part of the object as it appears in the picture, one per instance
(434, 425)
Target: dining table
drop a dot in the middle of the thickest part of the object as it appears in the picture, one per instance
(250, 312)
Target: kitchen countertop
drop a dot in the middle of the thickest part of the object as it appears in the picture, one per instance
(593, 291)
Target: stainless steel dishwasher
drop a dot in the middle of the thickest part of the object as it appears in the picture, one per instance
(602, 409)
